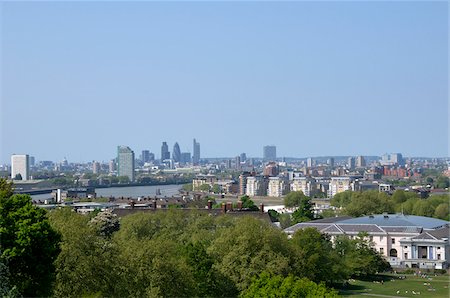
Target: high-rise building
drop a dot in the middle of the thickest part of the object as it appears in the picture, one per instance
(125, 162)
(392, 159)
(243, 157)
(271, 169)
(145, 156)
(351, 163)
(237, 162)
(360, 162)
(165, 154)
(95, 167)
(32, 161)
(20, 166)
(196, 153)
(309, 162)
(112, 165)
(330, 162)
(176, 154)
(270, 153)
(185, 157)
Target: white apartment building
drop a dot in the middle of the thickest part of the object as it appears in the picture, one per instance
(20, 165)
(406, 241)
(339, 184)
(255, 186)
(277, 187)
(304, 184)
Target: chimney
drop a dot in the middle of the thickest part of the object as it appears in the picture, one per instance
(154, 206)
(261, 207)
(239, 205)
(209, 204)
(229, 206)
(224, 208)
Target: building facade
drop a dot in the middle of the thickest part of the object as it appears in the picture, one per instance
(125, 162)
(196, 153)
(270, 153)
(20, 166)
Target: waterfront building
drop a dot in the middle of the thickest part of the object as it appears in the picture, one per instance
(20, 166)
(256, 186)
(196, 153)
(176, 154)
(125, 162)
(406, 241)
(270, 153)
(277, 187)
(165, 154)
(112, 165)
(145, 156)
(304, 184)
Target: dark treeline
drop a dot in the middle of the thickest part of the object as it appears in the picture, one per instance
(168, 254)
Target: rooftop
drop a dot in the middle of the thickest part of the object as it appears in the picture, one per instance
(398, 220)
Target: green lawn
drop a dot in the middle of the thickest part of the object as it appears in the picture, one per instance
(434, 286)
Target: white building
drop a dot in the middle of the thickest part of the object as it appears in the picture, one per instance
(406, 241)
(277, 187)
(255, 186)
(20, 165)
(304, 184)
(339, 184)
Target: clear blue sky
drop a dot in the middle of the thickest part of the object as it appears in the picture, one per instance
(324, 78)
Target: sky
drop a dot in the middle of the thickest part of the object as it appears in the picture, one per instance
(312, 78)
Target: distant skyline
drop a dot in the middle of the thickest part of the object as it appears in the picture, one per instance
(312, 78)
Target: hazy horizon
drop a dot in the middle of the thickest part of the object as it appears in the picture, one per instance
(312, 78)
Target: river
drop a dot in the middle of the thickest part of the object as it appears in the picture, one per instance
(128, 191)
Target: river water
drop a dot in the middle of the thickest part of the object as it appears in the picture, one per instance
(131, 191)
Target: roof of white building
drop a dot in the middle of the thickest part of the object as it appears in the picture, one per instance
(398, 220)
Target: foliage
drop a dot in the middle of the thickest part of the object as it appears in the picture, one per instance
(294, 199)
(278, 286)
(187, 187)
(216, 189)
(106, 223)
(28, 245)
(315, 258)
(247, 203)
(6, 188)
(342, 199)
(204, 187)
(442, 182)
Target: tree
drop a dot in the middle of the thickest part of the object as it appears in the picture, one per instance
(216, 189)
(205, 187)
(247, 203)
(342, 199)
(399, 196)
(6, 188)
(442, 182)
(441, 211)
(18, 177)
(294, 199)
(423, 208)
(28, 245)
(106, 223)
(314, 256)
(276, 286)
(187, 187)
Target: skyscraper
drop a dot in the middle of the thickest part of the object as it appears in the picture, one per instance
(165, 154)
(96, 167)
(176, 154)
(270, 153)
(196, 153)
(20, 166)
(309, 162)
(125, 162)
(360, 162)
(351, 163)
(145, 155)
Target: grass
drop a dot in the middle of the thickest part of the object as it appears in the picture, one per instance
(388, 285)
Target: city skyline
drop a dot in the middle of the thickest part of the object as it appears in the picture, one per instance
(315, 79)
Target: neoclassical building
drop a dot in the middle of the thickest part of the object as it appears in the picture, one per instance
(407, 241)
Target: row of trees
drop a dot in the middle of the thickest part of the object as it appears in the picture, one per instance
(374, 202)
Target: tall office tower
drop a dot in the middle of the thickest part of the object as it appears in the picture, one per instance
(237, 162)
(351, 163)
(309, 162)
(243, 157)
(176, 154)
(165, 154)
(360, 162)
(196, 153)
(20, 166)
(125, 162)
(32, 161)
(185, 157)
(112, 165)
(392, 159)
(145, 155)
(330, 162)
(95, 167)
(151, 156)
(270, 153)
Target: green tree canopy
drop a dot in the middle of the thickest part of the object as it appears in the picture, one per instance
(28, 245)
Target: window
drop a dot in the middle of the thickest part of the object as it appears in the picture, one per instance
(406, 255)
(381, 250)
(393, 253)
(438, 256)
(406, 247)
(438, 247)
(381, 238)
(393, 240)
